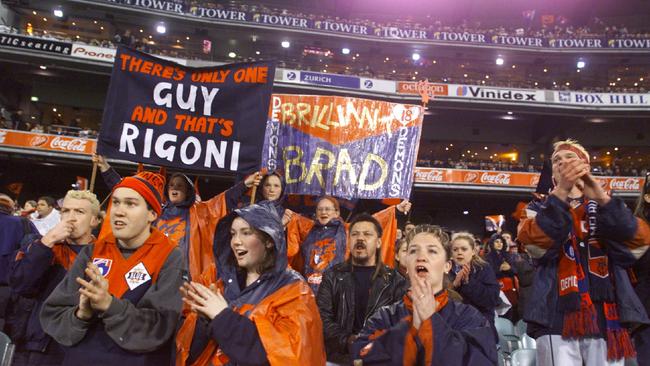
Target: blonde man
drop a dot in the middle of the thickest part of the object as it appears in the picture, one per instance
(581, 294)
(37, 269)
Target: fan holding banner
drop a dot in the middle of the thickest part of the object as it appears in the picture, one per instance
(340, 147)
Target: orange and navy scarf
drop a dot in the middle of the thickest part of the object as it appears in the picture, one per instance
(579, 289)
(442, 298)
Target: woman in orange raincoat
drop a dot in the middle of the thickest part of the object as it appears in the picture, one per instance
(265, 313)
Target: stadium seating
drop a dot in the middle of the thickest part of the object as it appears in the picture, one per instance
(6, 350)
(523, 357)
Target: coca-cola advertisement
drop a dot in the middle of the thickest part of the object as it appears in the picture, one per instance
(495, 178)
(69, 144)
(625, 184)
(511, 179)
(42, 141)
(470, 177)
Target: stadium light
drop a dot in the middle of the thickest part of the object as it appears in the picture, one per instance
(161, 28)
(345, 51)
(285, 44)
(581, 64)
(415, 56)
(58, 12)
(232, 54)
(499, 61)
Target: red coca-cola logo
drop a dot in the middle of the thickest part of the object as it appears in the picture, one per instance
(76, 145)
(434, 176)
(624, 184)
(37, 140)
(498, 178)
(470, 177)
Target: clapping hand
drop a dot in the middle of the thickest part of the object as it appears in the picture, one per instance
(206, 301)
(424, 303)
(96, 290)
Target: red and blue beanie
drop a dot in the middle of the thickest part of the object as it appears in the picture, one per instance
(149, 185)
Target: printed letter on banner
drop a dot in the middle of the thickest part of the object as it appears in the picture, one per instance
(211, 118)
(344, 147)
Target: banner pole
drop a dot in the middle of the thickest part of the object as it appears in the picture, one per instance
(92, 178)
(253, 193)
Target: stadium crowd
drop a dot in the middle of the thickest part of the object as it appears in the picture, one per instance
(399, 68)
(159, 277)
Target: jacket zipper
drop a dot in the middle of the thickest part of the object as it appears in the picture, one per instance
(373, 308)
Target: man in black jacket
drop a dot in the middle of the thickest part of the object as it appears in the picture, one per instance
(353, 290)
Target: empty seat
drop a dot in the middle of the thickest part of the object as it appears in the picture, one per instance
(528, 342)
(509, 343)
(504, 326)
(523, 357)
(6, 350)
(520, 328)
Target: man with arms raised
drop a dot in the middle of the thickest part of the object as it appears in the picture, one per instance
(119, 303)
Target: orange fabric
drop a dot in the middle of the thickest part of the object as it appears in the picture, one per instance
(152, 254)
(297, 230)
(143, 183)
(299, 226)
(441, 301)
(425, 333)
(63, 255)
(642, 236)
(410, 355)
(204, 217)
(186, 332)
(510, 286)
(289, 326)
(529, 233)
(388, 221)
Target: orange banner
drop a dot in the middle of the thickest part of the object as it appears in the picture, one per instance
(411, 87)
(42, 141)
(510, 179)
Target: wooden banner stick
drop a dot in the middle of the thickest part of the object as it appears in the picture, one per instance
(91, 188)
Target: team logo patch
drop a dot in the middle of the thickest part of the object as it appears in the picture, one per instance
(598, 266)
(103, 264)
(137, 276)
(569, 252)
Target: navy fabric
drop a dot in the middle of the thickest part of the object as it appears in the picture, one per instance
(642, 344)
(554, 219)
(320, 241)
(245, 346)
(461, 336)
(11, 233)
(32, 279)
(105, 351)
(481, 291)
(497, 257)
